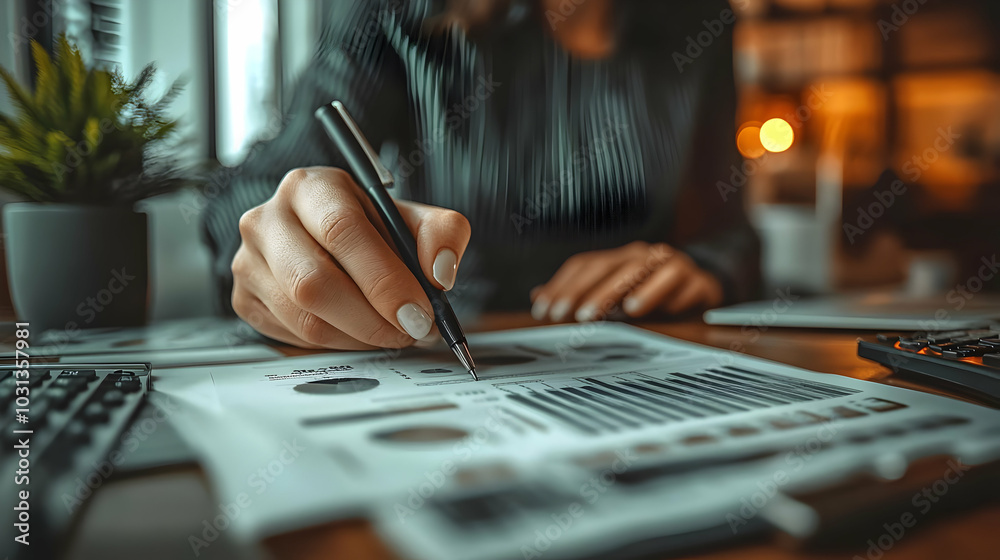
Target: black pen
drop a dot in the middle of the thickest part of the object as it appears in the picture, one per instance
(374, 179)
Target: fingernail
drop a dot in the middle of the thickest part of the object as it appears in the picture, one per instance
(445, 267)
(586, 313)
(414, 321)
(631, 305)
(560, 309)
(539, 309)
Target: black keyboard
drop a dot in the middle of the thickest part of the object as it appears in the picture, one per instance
(59, 425)
(966, 360)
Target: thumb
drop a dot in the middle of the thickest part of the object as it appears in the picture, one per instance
(441, 235)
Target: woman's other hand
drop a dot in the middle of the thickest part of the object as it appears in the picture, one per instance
(638, 278)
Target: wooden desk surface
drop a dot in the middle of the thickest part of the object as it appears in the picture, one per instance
(973, 534)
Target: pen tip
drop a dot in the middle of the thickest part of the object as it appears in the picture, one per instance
(474, 376)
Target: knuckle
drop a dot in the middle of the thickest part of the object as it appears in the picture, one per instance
(242, 265)
(238, 266)
(338, 176)
(241, 303)
(577, 260)
(249, 221)
(380, 286)
(659, 254)
(306, 285)
(340, 229)
(310, 328)
(638, 247)
(292, 179)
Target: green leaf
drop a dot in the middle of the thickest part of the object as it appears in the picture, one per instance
(8, 130)
(48, 100)
(18, 95)
(83, 135)
(71, 66)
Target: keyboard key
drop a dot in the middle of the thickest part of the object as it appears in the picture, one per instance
(58, 396)
(128, 385)
(38, 377)
(113, 397)
(38, 414)
(914, 344)
(95, 413)
(995, 342)
(71, 384)
(947, 336)
(952, 345)
(992, 360)
(968, 351)
(76, 433)
(87, 374)
(7, 395)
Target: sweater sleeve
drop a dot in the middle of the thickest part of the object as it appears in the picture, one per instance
(354, 64)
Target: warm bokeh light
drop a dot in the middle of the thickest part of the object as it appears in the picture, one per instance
(776, 135)
(748, 141)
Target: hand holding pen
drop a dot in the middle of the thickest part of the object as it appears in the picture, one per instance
(314, 269)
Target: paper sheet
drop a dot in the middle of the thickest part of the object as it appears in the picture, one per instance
(638, 434)
(165, 344)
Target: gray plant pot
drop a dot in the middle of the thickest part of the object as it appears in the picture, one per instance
(75, 266)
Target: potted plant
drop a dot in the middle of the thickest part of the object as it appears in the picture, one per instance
(81, 150)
